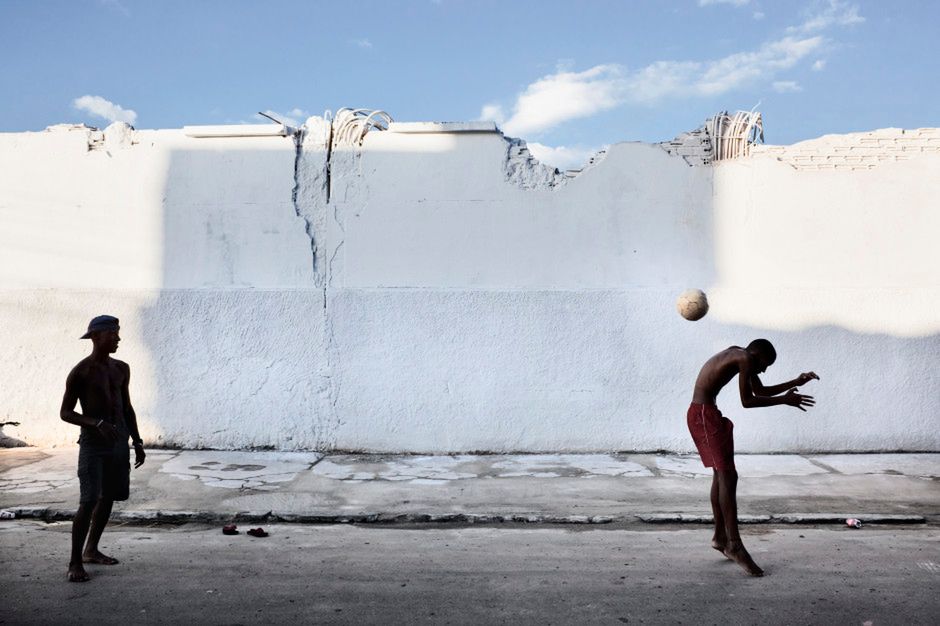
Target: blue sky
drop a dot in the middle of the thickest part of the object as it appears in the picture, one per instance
(569, 77)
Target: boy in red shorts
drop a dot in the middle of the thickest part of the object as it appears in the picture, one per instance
(712, 432)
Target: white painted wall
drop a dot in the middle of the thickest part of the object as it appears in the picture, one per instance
(196, 246)
(448, 298)
(158, 210)
(427, 211)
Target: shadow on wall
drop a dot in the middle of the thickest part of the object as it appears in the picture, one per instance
(469, 219)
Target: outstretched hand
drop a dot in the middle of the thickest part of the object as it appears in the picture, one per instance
(805, 377)
(798, 400)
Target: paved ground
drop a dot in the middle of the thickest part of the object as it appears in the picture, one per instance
(276, 486)
(585, 553)
(351, 574)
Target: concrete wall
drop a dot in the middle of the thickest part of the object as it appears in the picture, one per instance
(438, 291)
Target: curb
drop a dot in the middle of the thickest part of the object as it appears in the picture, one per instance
(254, 517)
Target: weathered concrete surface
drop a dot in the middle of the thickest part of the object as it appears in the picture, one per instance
(215, 485)
(179, 339)
(370, 575)
(440, 292)
(610, 372)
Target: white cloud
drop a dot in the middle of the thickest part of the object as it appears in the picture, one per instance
(786, 86)
(711, 78)
(567, 94)
(492, 113)
(294, 117)
(836, 13)
(819, 65)
(361, 43)
(737, 3)
(740, 68)
(105, 109)
(562, 157)
(758, 15)
(564, 96)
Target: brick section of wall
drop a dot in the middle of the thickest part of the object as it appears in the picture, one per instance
(855, 151)
(694, 146)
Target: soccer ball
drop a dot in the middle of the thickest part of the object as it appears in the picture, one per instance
(692, 304)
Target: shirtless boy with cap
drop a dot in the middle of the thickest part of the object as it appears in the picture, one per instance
(107, 419)
(712, 432)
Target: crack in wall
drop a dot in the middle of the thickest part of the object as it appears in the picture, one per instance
(299, 137)
(334, 387)
(311, 194)
(339, 246)
(312, 200)
(336, 250)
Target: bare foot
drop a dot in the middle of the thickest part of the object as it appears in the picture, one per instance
(739, 555)
(720, 545)
(77, 574)
(99, 559)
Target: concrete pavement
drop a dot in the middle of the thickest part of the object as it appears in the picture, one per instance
(466, 574)
(212, 486)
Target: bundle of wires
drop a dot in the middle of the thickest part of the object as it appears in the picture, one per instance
(351, 125)
(732, 135)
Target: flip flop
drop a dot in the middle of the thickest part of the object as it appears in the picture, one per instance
(257, 532)
(231, 529)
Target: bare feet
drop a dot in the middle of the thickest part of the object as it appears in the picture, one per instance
(737, 553)
(77, 573)
(721, 545)
(99, 559)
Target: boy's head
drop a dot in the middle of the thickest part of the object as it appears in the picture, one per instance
(104, 332)
(764, 353)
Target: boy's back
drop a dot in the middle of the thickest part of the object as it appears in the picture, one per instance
(718, 372)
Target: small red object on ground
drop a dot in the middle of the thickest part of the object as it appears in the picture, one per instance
(231, 529)
(257, 532)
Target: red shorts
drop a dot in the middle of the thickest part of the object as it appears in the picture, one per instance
(712, 434)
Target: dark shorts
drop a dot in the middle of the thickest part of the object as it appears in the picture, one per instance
(713, 436)
(104, 472)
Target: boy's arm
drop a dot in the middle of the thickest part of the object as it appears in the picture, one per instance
(67, 412)
(130, 418)
(774, 390)
(750, 400)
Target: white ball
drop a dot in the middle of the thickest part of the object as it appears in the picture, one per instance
(692, 304)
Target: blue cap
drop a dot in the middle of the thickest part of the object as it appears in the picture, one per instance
(102, 322)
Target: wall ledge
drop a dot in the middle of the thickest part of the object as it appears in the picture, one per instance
(443, 127)
(238, 130)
